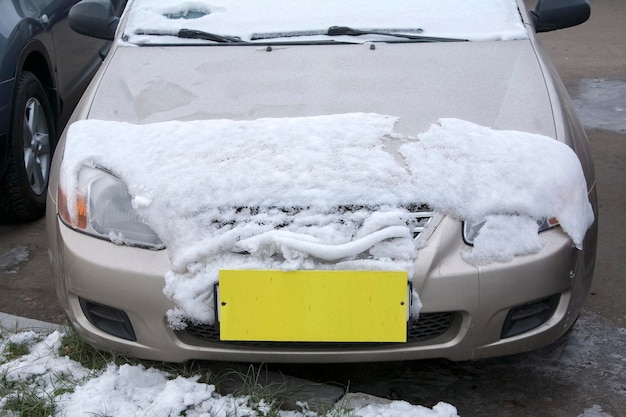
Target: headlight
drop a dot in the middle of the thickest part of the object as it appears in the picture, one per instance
(103, 208)
(471, 229)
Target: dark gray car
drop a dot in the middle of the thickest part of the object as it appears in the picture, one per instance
(44, 69)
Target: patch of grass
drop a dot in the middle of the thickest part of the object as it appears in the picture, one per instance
(188, 369)
(265, 394)
(74, 347)
(340, 411)
(22, 399)
(14, 350)
(64, 385)
(262, 391)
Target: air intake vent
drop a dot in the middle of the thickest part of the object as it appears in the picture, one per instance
(428, 326)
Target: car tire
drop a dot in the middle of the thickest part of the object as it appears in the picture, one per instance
(31, 143)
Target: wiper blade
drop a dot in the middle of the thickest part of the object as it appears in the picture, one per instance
(193, 34)
(348, 31)
(199, 34)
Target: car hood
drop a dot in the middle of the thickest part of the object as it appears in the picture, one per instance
(347, 193)
(494, 84)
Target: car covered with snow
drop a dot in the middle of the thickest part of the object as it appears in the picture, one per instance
(301, 181)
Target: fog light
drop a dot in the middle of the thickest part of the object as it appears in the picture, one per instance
(528, 316)
(108, 319)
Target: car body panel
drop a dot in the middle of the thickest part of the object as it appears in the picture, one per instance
(290, 81)
(131, 279)
(503, 85)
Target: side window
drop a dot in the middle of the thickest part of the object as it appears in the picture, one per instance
(31, 8)
(39, 7)
(77, 57)
(119, 5)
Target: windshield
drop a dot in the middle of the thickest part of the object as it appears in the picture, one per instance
(311, 21)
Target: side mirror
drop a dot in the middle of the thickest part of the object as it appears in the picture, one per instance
(559, 14)
(95, 18)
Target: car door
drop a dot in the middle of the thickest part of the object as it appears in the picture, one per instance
(77, 57)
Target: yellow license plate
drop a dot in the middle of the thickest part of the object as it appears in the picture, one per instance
(313, 306)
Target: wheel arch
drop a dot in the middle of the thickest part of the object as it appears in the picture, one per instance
(35, 59)
(25, 50)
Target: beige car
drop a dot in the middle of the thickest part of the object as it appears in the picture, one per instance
(410, 184)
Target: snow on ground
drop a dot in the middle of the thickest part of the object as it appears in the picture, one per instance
(593, 353)
(133, 390)
(10, 261)
(198, 184)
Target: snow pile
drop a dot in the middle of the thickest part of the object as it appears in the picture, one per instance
(128, 390)
(325, 192)
(465, 19)
(42, 368)
(404, 409)
(133, 390)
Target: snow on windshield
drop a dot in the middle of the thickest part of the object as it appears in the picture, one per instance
(466, 19)
(273, 193)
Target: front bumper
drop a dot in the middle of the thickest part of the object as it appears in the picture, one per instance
(131, 281)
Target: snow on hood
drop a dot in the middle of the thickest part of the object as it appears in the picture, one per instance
(465, 19)
(325, 192)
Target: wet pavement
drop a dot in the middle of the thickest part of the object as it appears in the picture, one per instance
(26, 287)
(582, 374)
(10, 261)
(601, 104)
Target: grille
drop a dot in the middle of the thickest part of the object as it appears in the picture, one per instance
(418, 216)
(428, 326)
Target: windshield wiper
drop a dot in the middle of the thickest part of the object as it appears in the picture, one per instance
(193, 34)
(207, 36)
(348, 31)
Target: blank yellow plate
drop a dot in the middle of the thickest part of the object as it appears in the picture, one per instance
(313, 306)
